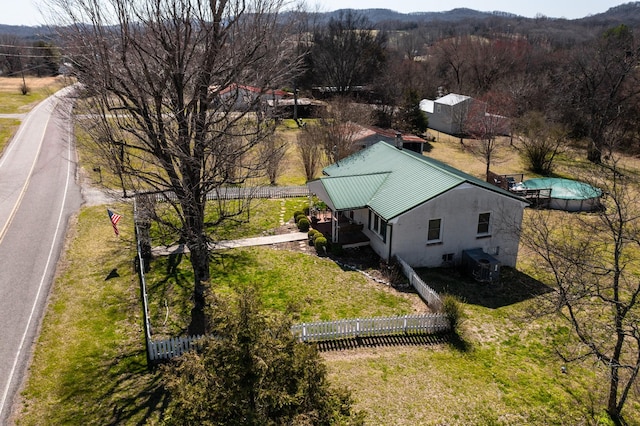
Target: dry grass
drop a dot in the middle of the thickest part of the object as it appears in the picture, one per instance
(465, 156)
(12, 101)
(293, 171)
(13, 84)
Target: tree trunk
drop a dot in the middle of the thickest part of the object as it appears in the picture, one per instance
(594, 153)
(196, 240)
(200, 262)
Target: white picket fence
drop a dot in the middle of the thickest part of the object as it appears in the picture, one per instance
(324, 330)
(429, 295)
(232, 193)
(173, 347)
(379, 326)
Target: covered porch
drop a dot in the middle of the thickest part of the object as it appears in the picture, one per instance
(339, 228)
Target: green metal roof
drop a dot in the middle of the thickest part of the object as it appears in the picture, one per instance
(353, 192)
(392, 181)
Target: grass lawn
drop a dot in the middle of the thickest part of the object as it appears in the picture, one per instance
(314, 288)
(262, 218)
(505, 373)
(12, 101)
(89, 366)
(8, 127)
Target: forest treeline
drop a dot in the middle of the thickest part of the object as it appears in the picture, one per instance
(580, 74)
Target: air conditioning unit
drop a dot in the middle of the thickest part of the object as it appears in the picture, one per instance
(482, 266)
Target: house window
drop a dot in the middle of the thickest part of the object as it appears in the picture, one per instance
(433, 234)
(438, 109)
(378, 225)
(447, 258)
(483, 223)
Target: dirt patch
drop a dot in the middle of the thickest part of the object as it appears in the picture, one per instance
(95, 195)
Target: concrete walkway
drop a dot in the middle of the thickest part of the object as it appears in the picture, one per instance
(246, 242)
(15, 116)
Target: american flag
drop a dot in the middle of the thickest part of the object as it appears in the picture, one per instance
(114, 218)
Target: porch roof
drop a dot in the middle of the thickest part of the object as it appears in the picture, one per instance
(353, 192)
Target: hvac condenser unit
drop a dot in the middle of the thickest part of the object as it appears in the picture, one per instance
(482, 266)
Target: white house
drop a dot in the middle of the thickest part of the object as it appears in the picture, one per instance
(422, 210)
(448, 113)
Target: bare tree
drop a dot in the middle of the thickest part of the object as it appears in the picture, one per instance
(593, 262)
(485, 121)
(167, 81)
(541, 141)
(272, 150)
(602, 78)
(347, 52)
(310, 151)
(12, 50)
(339, 127)
(454, 61)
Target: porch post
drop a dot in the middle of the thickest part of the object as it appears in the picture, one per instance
(334, 227)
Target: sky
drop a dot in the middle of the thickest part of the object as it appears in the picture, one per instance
(25, 12)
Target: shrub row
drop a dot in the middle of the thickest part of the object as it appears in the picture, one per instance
(301, 220)
(317, 239)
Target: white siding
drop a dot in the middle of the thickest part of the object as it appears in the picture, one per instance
(459, 209)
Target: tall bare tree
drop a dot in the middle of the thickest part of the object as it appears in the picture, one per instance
(347, 52)
(486, 121)
(12, 50)
(310, 150)
(601, 88)
(273, 151)
(593, 261)
(166, 81)
(339, 126)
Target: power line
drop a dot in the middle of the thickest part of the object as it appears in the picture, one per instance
(18, 55)
(24, 46)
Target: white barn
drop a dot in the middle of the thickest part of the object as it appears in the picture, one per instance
(448, 113)
(420, 209)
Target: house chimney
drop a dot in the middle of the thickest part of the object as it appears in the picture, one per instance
(398, 140)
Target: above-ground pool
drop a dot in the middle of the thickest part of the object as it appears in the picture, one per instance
(566, 194)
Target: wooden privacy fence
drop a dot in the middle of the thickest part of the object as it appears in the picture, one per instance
(379, 326)
(429, 295)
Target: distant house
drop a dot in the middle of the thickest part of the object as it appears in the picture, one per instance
(426, 212)
(246, 97)
(448, 113)
(303, 107)
(366, 136)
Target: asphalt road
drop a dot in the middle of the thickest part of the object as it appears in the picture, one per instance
(38, 194)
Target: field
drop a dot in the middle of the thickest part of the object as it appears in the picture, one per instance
(12, 101)
(89, 365)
